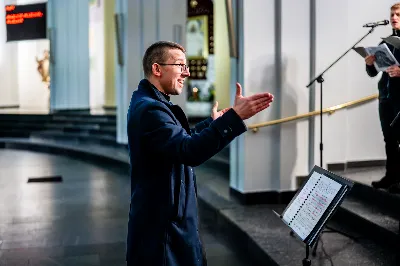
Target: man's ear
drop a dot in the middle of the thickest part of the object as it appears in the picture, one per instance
(156, 69)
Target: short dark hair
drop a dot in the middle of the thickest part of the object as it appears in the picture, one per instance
(395, 6)
(157, 53)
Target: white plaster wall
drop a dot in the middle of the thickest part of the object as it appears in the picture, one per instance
(96, 55)
(8, 64)
(33, 93)
(295, 96)
(261, 150)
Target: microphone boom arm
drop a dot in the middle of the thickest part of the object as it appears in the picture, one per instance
(319, 77)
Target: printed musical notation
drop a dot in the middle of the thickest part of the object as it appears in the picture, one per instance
(310, 204)
(301, 197)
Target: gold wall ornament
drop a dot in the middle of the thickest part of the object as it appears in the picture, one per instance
(44, 67)
(197, 34)
(193, 3)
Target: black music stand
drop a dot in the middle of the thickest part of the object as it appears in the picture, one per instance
(313, 205)
(320, 80)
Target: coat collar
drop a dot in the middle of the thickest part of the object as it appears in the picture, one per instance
(396, 32)
(146, 87)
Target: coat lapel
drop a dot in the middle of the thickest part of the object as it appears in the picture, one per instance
(180, 115)
(175, 109)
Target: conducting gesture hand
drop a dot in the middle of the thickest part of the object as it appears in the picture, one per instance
(247, 107)
(215, 113)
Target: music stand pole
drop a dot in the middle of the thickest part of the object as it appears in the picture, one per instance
(320, 80)
(306, 261)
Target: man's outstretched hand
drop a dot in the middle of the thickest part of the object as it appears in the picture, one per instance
(247, 107)
(215, 113)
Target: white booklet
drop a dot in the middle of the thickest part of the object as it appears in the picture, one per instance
(384, 57)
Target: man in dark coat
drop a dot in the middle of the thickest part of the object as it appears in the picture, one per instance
(389, 106)
(163, 227)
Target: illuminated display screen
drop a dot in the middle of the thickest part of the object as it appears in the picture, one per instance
(26, 22)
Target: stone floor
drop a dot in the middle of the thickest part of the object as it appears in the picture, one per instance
(80, 221)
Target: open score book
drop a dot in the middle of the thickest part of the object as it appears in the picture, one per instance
(314, 203)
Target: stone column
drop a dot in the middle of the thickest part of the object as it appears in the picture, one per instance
(68, 22)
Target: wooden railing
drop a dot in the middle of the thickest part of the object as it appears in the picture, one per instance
(330, 110)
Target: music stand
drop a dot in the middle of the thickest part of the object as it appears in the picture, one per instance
(320, 80)
(313, 205)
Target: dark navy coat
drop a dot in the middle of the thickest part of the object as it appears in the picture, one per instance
(163, 224)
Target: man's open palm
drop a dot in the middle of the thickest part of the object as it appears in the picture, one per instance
(215, 113)
(247, 107)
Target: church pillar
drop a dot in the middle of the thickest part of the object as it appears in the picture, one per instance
(263, 165)
(222, 57)
(68, 23)
(255, 160)
(109, 54)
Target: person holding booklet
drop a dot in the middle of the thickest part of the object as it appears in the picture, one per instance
(389, 106)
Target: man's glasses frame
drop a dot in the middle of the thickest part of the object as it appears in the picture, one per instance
(184, 67)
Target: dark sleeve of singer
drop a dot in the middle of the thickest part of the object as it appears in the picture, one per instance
(370, 68)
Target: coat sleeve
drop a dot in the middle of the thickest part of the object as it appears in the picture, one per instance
(201, 125)
(371, 71)
(169, 142)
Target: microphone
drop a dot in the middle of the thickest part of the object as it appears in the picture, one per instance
(376, 24)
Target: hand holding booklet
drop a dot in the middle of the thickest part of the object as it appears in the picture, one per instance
(384, 58)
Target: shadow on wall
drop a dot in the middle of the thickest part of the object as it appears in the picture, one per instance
(275, 146)
(288, 130)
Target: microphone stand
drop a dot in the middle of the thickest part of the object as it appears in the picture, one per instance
(320, 80)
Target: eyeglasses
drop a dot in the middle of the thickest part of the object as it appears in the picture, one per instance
(183, 66)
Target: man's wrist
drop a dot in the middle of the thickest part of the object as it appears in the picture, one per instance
(236, 111)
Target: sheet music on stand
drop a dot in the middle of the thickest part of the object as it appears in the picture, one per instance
(314, 203)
